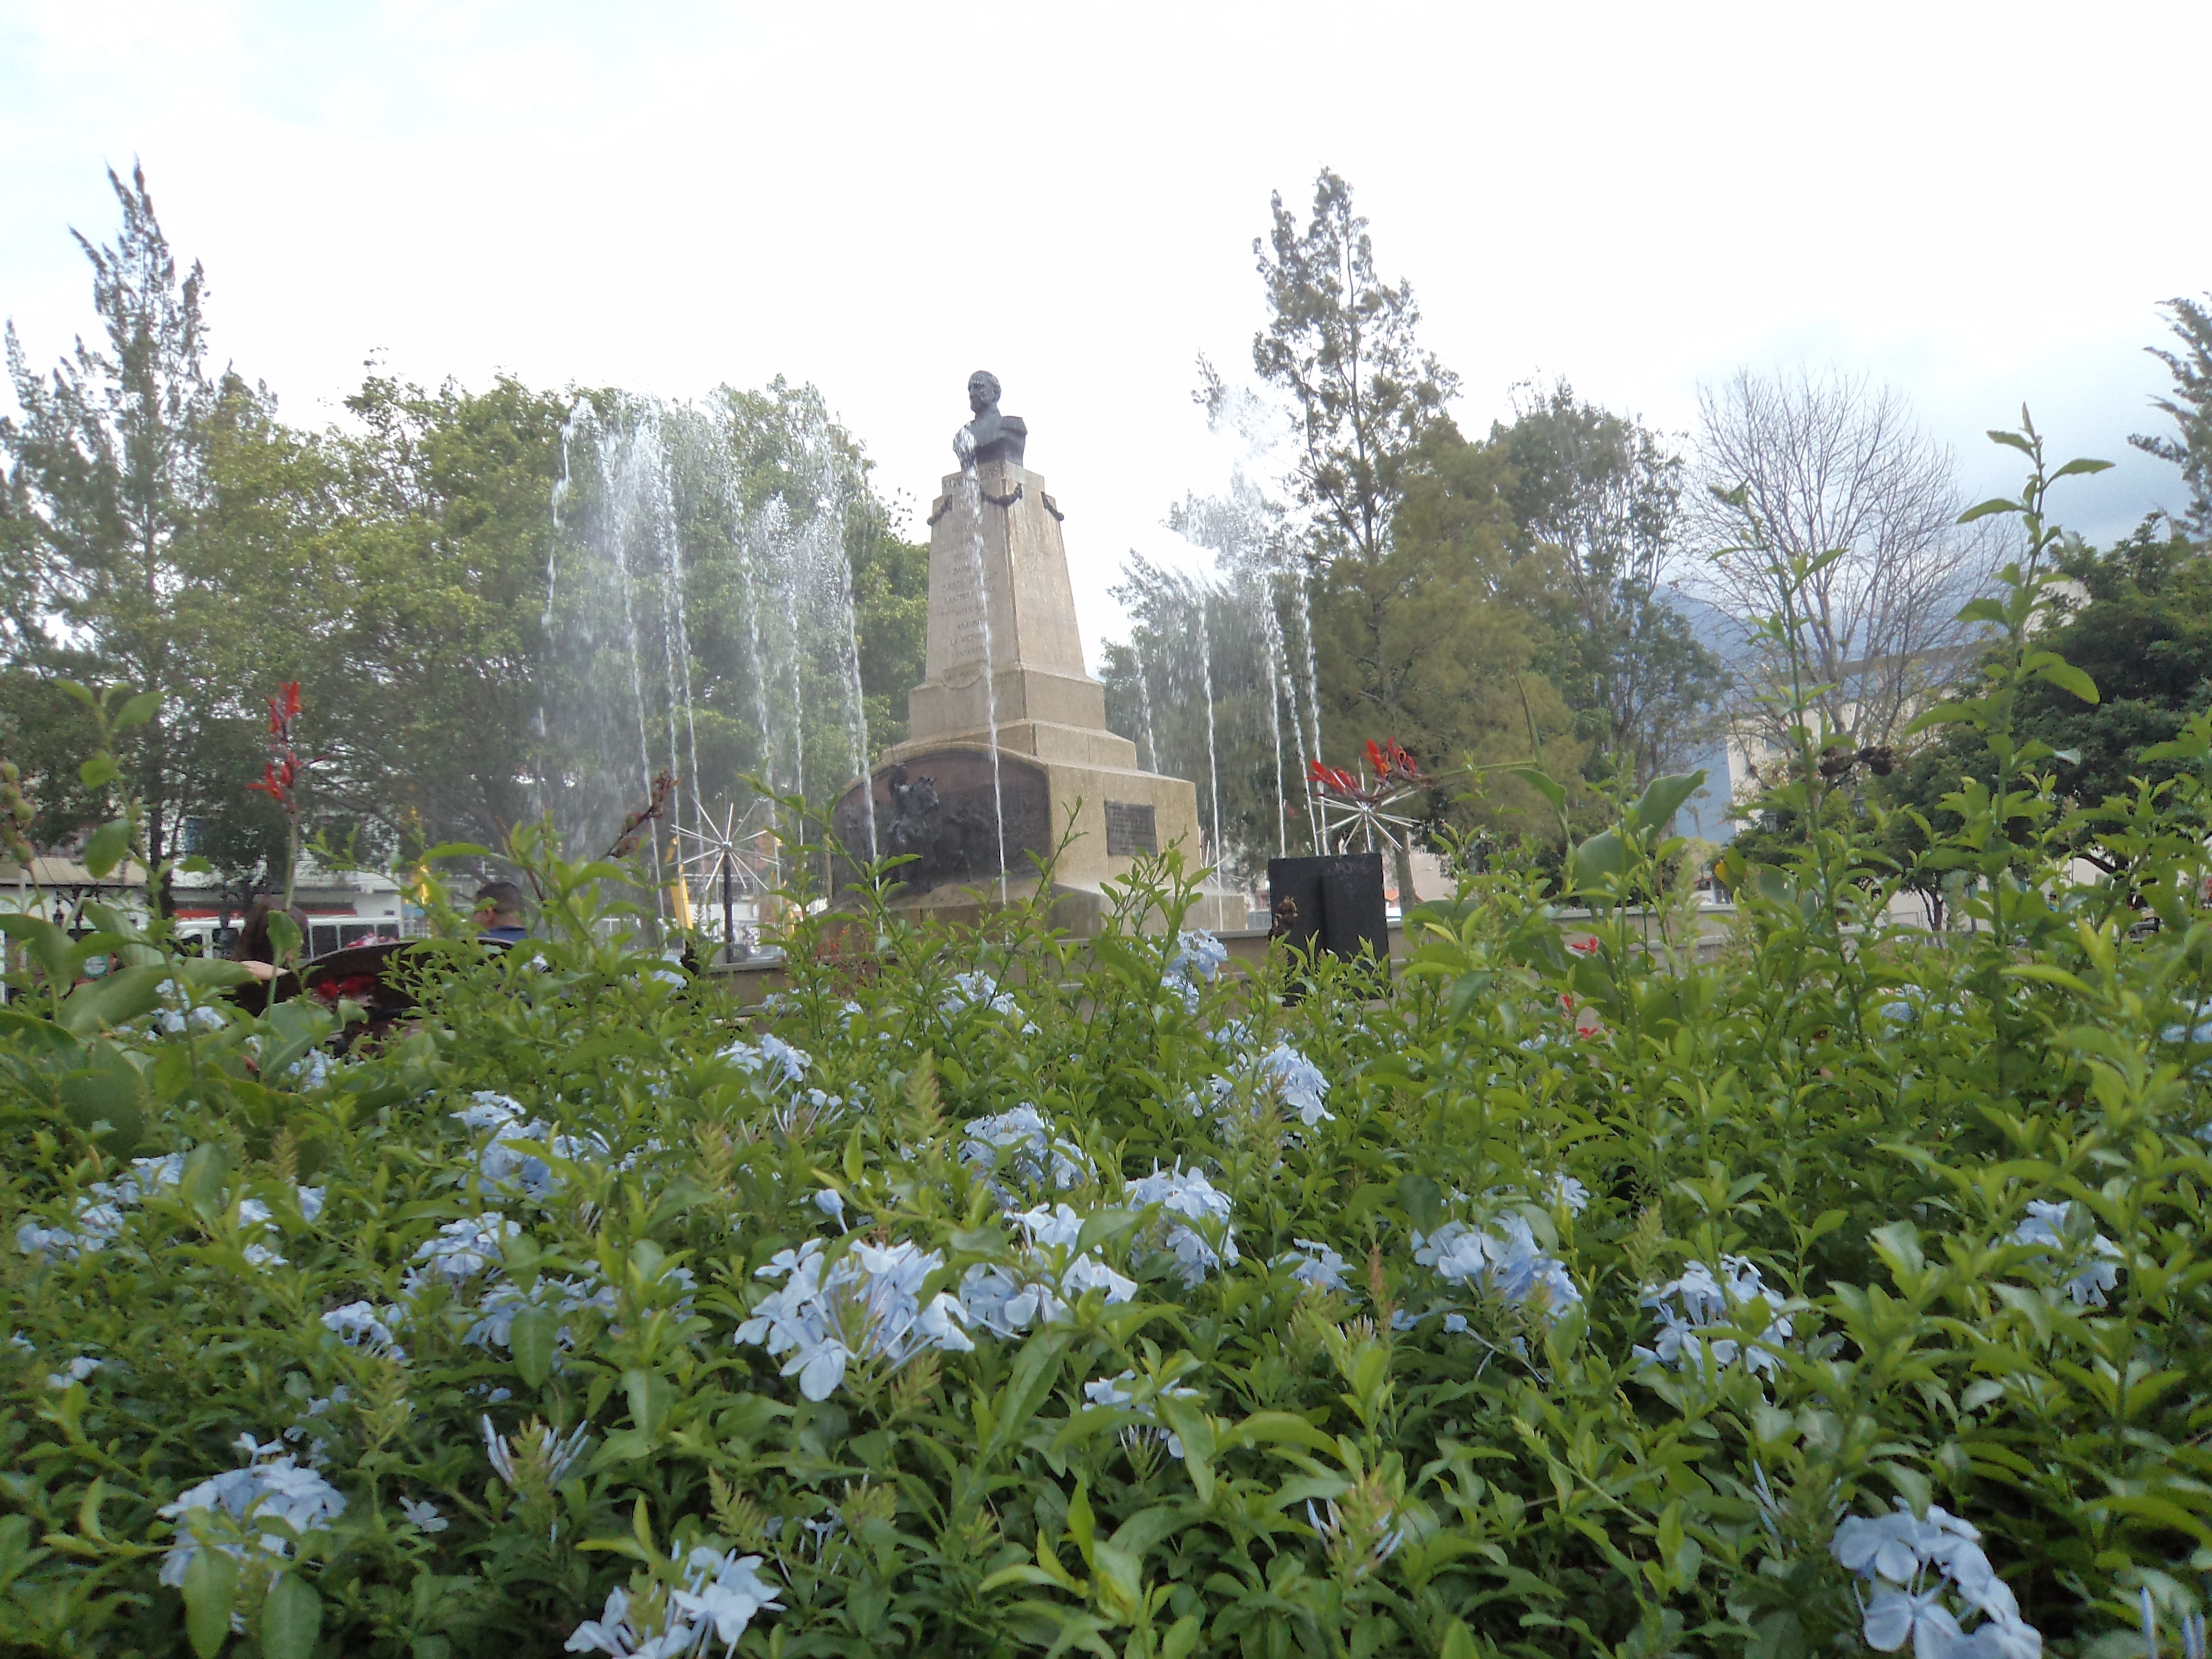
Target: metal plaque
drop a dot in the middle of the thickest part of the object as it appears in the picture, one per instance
(1129, 829)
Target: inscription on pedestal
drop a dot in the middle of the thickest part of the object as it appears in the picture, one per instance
(1129, 829)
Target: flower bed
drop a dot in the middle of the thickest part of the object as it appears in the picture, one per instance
(1849, 1290)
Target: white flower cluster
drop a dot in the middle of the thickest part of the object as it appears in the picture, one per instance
(1109, 1391)
(98, 1217)
(1503, 1258)
(1916, 1563)
(1684, 1307)
(1033, 1152)
(771, 1058)
(721, 1595)
(1315, 1264)
(269, 1488)
(868, 1302)
(1189, 1194)
(2088, 1262)
(1052, 1272)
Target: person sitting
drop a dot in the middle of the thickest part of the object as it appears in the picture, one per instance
(499, 914)
(254, 949)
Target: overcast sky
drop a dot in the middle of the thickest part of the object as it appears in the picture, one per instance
(1979, 205)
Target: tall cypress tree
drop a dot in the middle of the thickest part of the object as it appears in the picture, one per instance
(108, 469)
(2191, 408)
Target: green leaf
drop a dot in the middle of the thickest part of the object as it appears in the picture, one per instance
(457, 849)
(210, 1594)
(1466, 992)
(1663, 798)
(1543, 783)
(2081, 463)
(283, 935)
(94, 774)
(206, 1178)
(113, 999)
(291, 1619)
(2067, 678)
(650, 1395)
(106, 847)
(140, 710)
(1986, 509)
(1601, 861)
(531, 1340)
(1103, 1225)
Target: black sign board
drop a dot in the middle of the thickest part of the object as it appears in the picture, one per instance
(1129, 829)
(1330, 904)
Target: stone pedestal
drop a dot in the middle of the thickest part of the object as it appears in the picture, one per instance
(1004, 670)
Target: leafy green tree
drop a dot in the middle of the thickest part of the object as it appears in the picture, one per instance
(1598, 496)
(2190, 406)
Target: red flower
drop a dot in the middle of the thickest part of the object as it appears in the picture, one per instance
(283, 709)
(1587, 946)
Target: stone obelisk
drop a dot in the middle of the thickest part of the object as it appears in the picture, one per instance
(1007, 748)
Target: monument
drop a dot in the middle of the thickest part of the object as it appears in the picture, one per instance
(1006, 732)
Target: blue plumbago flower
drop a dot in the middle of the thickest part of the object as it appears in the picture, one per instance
(1684, 1307)
(771, 1059)
(1051, 1273)
(1915, 1566)
(1028, 1148)
(496, 1308)
(1504, 1258)
(1111, 1391)
(270, 1488)
(547, 1447)
(1315, 1264)
(363, 1324)
(1198, 955)
(1288, 1076)
(1187, 1193)
(1565, 1190)
(721, 1596)
(977, 989)
(462, 1250)
(831, 1203)
(867, 1303)
(423, 1515)
(2088, 1265)
(76, 1370)
(98, 1217)
(506, 1162)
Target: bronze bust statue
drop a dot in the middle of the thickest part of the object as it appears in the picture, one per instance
(990, 436)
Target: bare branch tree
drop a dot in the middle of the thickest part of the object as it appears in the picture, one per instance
(1831, 464)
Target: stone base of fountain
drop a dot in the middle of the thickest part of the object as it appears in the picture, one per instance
(1009, 761)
